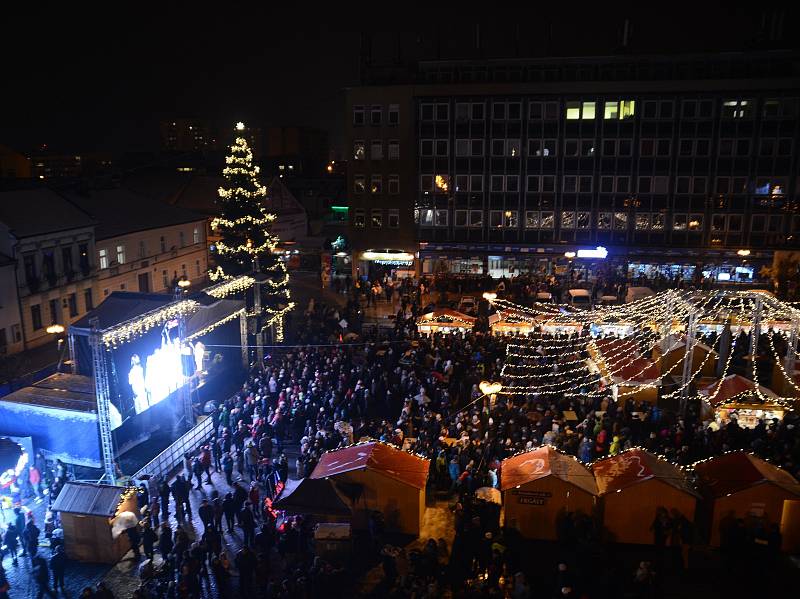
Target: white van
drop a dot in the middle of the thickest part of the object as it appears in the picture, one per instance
(637, 293)
(579, 298)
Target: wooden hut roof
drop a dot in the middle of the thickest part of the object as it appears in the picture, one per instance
(635, 466)
(732, 385)
(381, 457)
(445, 316)
(88, 499)
(545, 461)
(736, 471)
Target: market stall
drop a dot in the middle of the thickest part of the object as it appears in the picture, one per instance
(736, 396)
(540, 487)
(314, 497)
(672, 350)
(444, 320)
(632, 486)
(740, 485)
(507, 323)
(636, 380)
(376, 476)
(88, 513)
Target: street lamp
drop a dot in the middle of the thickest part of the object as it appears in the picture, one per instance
(490, 388)
(743, 253)
(55, 329)
(184, 283)
(489, 296)
(569, 255)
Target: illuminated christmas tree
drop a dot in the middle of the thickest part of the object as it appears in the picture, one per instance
(246, 242)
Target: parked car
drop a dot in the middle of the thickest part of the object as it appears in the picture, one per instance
(468, 305)
(579, 298)
(637, 293)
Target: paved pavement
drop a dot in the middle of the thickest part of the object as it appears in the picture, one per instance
(122, 578)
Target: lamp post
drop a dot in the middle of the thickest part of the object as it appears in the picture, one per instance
(58, 330)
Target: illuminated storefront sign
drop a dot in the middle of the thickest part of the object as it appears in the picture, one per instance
(598, 252)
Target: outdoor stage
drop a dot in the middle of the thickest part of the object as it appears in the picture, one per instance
(141, 364)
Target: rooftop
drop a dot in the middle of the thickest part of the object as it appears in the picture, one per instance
(38, 211)
(120, 211)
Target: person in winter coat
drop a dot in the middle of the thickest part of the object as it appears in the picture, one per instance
(227, 467)
(41, 576)
(229, 509)
(58, 565)
(30, 538)
(247, 522)
(149, 540)
(585, 450)
(251, 459)
(19, 525)
(616, 446)
(11, 540)
(165, 543)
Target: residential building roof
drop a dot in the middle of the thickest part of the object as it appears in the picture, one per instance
(120, 211)
(38, 211)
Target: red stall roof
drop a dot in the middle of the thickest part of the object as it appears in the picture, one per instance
(636, 466)
(545, 461)
(736, 471)
(395, 463)
(638, 370)
(733, 385)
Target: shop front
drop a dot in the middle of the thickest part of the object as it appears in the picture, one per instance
(375, 263)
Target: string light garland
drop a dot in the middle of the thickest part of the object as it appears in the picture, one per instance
(230, 287)
(217, 324)
(663, 312)
(132, 329)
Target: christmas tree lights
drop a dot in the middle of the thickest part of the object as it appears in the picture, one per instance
(247, 245)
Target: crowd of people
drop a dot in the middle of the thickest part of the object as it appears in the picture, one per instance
(339, 383)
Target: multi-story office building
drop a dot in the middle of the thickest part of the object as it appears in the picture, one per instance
(501, 166)
(186, 135)
(52, 245)
(143, 244)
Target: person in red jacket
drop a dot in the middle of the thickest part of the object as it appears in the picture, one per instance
(35, 479)
(205, 462)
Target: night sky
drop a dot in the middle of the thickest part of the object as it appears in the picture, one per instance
(82, 84)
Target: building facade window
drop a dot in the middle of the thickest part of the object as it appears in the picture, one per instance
(165, 279)
(103, 258)
(359, 219)
(163, 244)
(376, 150)
(376, 184)
(376, 220)
(88, 301)
(36, 317)
(359, 150)
(394, 150)
(72, 302)
(394, 219)
(359, 183)
(196, 235)
(120, 254)
(358, 115)
(394, 184)
(737, 109)
(375, 115)
(181, 240)
(394, 115)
